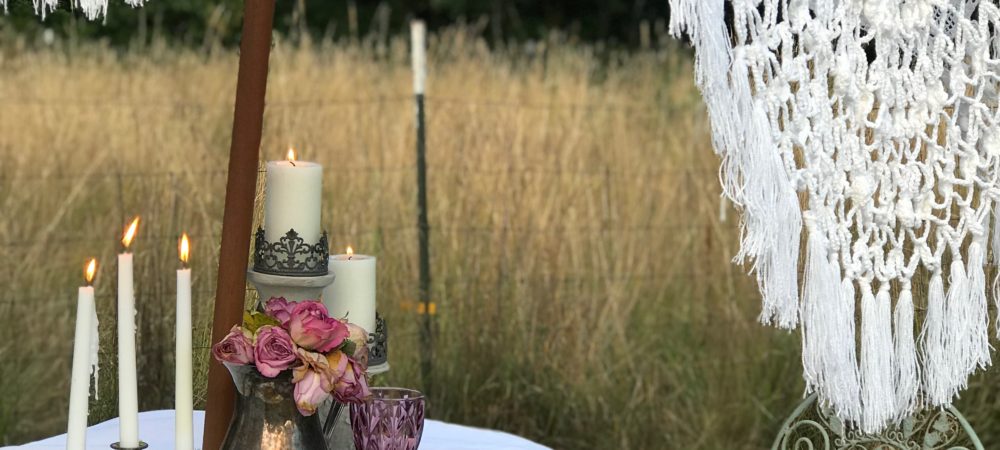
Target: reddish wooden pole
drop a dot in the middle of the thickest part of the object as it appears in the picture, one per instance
(237, 220)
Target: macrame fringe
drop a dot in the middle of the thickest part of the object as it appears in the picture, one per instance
(932, 345)
(957, 316)
(92, 9)
(753, 175)
(978, 338)
(955, 335)
(829, 357)
(996, 262)
(877, 387)
(779, 126)
(907, 368)
(44, 7)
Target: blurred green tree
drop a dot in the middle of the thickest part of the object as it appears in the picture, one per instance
(197, 22)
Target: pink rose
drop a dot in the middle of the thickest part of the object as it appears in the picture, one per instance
(318, 363)
(312, 327)
(280, 309)
(309, 392)
(235, 348)
(336, 362)
(274, 351)
(352, 387)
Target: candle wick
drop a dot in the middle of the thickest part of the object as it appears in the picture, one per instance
(292, 163)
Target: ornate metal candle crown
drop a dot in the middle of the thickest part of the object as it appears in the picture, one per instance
(291, 256)
(379, 341)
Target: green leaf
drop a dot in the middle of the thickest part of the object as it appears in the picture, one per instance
(348, 347)
(253, 320)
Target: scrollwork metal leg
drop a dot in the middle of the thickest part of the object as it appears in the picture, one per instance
(812, 427)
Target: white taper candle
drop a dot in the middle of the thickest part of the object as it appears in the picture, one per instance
(79, 391)
(183, 391)
(128, 390)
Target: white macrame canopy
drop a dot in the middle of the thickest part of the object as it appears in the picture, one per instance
(869, 131)
(92, 9)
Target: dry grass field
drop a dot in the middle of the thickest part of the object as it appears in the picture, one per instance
(581, 270)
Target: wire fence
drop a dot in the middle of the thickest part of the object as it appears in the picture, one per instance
(601, 178)
(431, 100)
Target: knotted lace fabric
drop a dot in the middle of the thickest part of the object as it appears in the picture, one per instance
(865, 131)
(92, 9)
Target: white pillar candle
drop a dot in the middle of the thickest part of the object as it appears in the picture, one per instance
(183, 393)
(128, 395)
(352, 294)
(292, 199)
(79, 390)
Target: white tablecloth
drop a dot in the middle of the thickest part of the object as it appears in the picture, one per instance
(157, 429)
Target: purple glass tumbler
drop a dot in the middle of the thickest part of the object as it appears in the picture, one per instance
(392, 420)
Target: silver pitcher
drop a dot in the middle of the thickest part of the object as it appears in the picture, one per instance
(266, 418)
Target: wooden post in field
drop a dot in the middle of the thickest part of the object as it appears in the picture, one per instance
(418, 37)
(248, 120)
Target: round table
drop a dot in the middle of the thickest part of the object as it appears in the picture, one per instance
(157, 429)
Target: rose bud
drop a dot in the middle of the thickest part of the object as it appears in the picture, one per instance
(280, 309)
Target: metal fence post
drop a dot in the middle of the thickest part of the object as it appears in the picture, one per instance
(418, 33)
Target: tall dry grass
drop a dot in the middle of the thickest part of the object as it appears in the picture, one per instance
(581, 273)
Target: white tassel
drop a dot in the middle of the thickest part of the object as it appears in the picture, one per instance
(877, 373)
(92, 9)
(773, 225)
(753, 174)
(813, 323)
(44, 7)
(907, 369)
(842, 360)
(932, 345)
(995, 243)
(979, 316)
(958, 314)
(828, 351)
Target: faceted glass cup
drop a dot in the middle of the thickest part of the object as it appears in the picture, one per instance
(392, 420)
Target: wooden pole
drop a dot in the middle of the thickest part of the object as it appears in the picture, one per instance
(418, 33)
(237, 220)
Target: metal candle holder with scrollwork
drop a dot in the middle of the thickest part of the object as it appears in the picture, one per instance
(378, 347)
(290, 256)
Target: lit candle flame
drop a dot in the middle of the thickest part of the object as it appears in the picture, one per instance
(91, 271)
(130, 232)
(350, 252)
(184, 248)
(290, 156)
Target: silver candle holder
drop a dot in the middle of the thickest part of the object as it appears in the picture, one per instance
(290, 256)
(290, 267)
